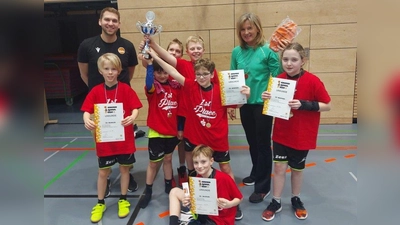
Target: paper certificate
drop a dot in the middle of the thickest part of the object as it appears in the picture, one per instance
(203, 196)
(282, 91)
(231, 82)
(108, 122)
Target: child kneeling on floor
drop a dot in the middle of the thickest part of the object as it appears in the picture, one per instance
(228, 194)
(109, 153)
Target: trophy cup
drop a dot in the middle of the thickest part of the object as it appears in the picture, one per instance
(148, 28)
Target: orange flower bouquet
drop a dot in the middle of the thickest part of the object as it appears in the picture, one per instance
(286, 31)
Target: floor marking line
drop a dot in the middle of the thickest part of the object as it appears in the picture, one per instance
(79, 158)
(100, 222)
(163, 214)
(116, 179)
(73, 140)
(51, 155)
(355, 178)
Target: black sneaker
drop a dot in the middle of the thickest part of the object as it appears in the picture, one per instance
(299, 211)
(258, 197)
(273, 208)
(144, 202)
(139, 134)
(248, 181)
(133, 186)
(135, 127)
(108, 188)
(239, 213)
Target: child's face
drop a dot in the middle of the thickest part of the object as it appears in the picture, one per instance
(175, 50)
(292, 62)
(161, 76)
(195, 51)
(110, 73)
(203, 77)
(202, 165)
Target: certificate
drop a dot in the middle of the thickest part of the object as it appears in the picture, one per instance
(231, 82)
(282, 91)
(203, 196)
(108, 122)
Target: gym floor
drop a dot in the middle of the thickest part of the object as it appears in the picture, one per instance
(70, 173)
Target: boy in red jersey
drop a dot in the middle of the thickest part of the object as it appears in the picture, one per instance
(162, 95)
(293, 138)
(228, 194)
(108, 153)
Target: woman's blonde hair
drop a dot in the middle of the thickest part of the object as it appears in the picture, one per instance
(255, 21)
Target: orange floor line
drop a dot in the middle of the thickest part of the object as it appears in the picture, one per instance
(163, 214)
(140, 223)
(330, 160)
(350, 156)
(311, 164)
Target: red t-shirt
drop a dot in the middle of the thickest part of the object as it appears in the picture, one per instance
(124, 94)
(226, 188)
(186, 68)
(392, 99)
(301, 130)
(204, 107)
(162, 112)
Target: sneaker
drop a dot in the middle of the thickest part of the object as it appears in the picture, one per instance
(269, 212)
(248, 181)
(239, 214)
(182, 175)
(144, 202)
(133, 186)
(258, 197)
(123, 208)
(139, 134)
(299, 211)
(108, 188)
(97, 212)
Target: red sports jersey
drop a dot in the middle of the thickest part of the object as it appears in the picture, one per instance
(123, 93)
(205, 109)
(301, 130)
(162, 112)
(186, 68)
(226, 188)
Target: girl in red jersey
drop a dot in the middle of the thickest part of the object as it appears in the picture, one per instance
(162, 95)
(206, 118)
(109, 153)
(293, 138)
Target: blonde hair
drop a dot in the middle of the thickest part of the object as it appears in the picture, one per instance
(255, 21)
(111, 57)
(111, 10)
(203, 149)
(195, 39)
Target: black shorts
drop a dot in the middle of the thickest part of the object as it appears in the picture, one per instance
(219, 157)
(124, 160)
(296, 159)
(158, 147)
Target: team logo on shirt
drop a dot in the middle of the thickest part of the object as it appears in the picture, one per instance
(97, 49)
(202, 112)
(166, 103)
(121, 50)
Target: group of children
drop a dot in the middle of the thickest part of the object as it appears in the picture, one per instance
(199, 113)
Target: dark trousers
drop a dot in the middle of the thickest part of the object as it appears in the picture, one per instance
(257, 128)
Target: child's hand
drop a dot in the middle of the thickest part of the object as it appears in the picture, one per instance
(224, 203)
(245, 90)
(180, 135)
(232, 113)
(127, 121)
(186, 201)
(89, 124)
(294, 104)
(265, 95)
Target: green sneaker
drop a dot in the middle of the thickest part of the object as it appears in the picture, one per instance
(97, 212)
(123, 208)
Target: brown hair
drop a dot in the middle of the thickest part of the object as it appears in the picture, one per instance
(206, 63)
(111, 10)
(296, 46)
(255, 21)
(176, 41)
